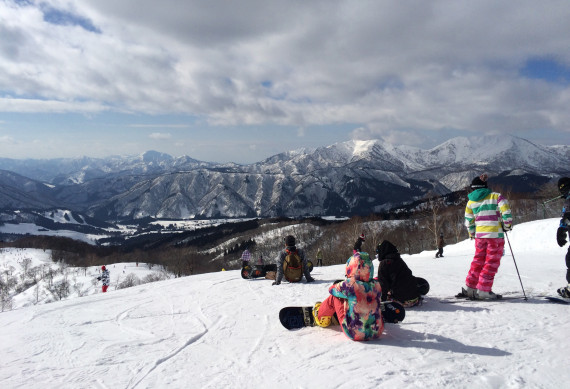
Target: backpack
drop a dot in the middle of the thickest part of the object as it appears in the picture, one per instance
(293, 266)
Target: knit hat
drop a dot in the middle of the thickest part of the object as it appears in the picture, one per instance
(362, 237)
(564, 186)
(385, 248)
(103, 267)
(290, 240)
(479, 182)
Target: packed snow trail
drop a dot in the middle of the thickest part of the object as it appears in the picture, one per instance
(219, 330)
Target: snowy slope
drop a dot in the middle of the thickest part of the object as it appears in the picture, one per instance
(217, 331)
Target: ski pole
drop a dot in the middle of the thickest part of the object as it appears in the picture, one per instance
(516, 267)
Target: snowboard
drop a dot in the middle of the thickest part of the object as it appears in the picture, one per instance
(257, 271)
(558, 300)
(299, 317)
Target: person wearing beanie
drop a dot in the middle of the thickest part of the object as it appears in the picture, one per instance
(562, 231)
(487, 217)
(358, 244)
(292, 263)
(397, 281)
(105, 278)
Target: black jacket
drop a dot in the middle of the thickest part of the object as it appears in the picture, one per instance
(394, 275)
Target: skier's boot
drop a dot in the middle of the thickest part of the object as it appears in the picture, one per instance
(324, 321)
(564, 291)
(488, 295)
(468, 292)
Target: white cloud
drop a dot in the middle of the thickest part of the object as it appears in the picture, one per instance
(387, 67)
(6, 139)
(160, 136)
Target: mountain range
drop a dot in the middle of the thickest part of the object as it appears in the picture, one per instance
(354, 177)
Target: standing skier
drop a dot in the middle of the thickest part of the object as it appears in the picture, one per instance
(440, 244)
(319, 257)
(487, 216)
(105, 278)
(562, 232)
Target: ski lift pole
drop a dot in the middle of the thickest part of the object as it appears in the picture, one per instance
(516, 267)
(546, 202)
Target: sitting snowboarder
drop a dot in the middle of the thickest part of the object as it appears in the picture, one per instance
(398, 282)
(354, 302)
(292, 263)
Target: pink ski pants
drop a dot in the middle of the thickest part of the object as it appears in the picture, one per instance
(331, 305)
(488, 253)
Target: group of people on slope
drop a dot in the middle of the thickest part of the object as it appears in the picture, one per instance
(356, 301)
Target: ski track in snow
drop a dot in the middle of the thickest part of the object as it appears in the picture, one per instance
(218, 330)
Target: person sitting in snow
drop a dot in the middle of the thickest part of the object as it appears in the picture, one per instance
(397, 281)
(105, 278)
(292, 263)
(562, 231)
(245, 258)
(354, 303)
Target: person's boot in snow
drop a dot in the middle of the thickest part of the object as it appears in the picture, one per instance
(487, 295)
(325, 321)
(469, 292)
(564, 291)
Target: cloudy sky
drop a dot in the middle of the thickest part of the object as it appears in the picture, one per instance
(243, 80)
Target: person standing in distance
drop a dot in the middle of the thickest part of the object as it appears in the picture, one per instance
(562, 231)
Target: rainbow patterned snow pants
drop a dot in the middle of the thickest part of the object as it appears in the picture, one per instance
(488, 253)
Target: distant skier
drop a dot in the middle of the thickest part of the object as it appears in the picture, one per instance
(105, 278)
(245, 258)
(356, 301)
(562, 232)
(292, 263)
(358, 244)
(260, 261)
(319, 257)
(397, 281)
(440, 244)
(487, 216)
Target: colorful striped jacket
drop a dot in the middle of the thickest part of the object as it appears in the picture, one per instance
(485, 214)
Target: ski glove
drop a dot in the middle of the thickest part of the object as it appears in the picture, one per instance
(275, 283)
(561, 236)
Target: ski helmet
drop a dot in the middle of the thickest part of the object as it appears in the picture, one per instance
(564, 186)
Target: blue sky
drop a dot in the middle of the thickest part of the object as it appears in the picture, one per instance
(241, 81)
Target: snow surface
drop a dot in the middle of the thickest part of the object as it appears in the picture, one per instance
(219, 331)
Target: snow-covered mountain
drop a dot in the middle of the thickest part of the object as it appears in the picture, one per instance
(218, 330)
(344, 178)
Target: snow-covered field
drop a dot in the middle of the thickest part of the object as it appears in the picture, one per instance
(219, 331)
